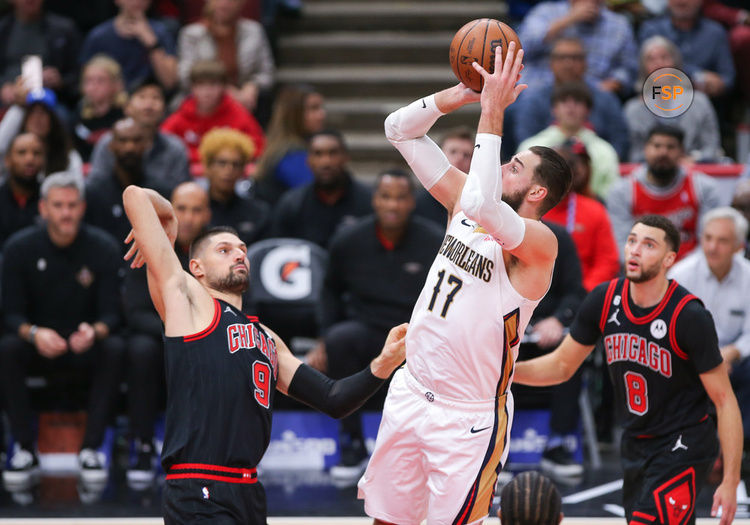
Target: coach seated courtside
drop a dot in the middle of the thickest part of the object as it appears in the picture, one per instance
(61, 313)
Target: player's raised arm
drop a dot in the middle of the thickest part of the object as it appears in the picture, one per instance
(339, 398)
(153, 235)
(407, 128)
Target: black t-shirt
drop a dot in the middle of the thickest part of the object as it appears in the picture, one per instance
(15, 214)
(368, 281)
(60, 288)
(249, 216)
(654, 355)
(220, 389)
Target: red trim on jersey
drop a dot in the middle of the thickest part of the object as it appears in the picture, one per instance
(252, 318)
(643, 516)
(242, 475)
(701, 420)
(650, 317)
(673, 324)
(227, 479)
(607, 301)
(637, 521)
(210, 328)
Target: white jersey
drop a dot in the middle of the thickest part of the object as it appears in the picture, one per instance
(465, 329)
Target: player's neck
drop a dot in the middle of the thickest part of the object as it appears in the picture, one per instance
(649, 293)
(233, 299)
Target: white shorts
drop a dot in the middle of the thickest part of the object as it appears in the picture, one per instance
(435, 458)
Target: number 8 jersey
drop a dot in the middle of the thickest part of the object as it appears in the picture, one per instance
(654, 355)
(465, 329)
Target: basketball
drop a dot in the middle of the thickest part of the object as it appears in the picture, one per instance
(476, 42)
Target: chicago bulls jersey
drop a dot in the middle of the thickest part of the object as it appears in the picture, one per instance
(221, 378)
(654, 355)
(468, 320)
(680, 205)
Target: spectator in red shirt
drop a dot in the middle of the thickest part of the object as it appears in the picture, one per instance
(586, 220)
(210, 106)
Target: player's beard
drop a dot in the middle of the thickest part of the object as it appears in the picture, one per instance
(514, 200)
(647, 273)
(232, 282)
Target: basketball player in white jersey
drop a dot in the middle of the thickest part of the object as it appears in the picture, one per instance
(446, 422)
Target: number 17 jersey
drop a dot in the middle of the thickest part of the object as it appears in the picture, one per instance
(467, 323)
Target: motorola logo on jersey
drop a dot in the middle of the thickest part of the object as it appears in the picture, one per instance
(285, 272)
(637, 349)
(658, 328)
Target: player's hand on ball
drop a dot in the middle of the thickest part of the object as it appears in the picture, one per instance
(500, 88)
(393, 353)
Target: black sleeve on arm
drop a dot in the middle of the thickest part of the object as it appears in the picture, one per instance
(696, 336)
(336, 398)
(585, 327)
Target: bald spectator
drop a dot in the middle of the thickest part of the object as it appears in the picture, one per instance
(567, 61)
(210, 106)
(128, 146)
(29, 30)
(225, 154)
(607, 36)
(19, 191)
(699, 124)
(143, 47)
(166, 158)
(145, 347)
(334, 199)
(703, 43)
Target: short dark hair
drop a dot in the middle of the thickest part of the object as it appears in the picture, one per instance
(578, 91)
(459, 132)
(671, 234)
(205, 235)
(667, 130)
(398, 173)
(554, 173)
(530, 499)
(147, 82)
(328, 132)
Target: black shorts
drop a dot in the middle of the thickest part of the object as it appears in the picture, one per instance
(215, 502)
(664, 475)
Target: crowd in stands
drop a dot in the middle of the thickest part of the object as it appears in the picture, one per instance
(181, 97)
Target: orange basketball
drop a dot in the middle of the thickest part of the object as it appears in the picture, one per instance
(476, 42)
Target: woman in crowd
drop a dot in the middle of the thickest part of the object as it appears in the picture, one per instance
(101, 105)
(298, 112)
(239, 43)
(34, 112)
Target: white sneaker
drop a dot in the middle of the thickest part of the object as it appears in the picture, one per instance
(23, 468)
(93, 466)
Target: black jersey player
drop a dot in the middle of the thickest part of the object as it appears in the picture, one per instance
(664, 362)
(223, 368)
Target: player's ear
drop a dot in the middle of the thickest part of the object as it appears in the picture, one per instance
(196, 268)
(536, 193)
(669, 259)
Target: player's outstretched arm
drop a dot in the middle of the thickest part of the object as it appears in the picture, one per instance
(717, 385)
(407, 127)
(339, 398)
(154, 232)
(553, 368)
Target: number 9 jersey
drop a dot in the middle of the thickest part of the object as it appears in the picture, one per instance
(468, 321)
